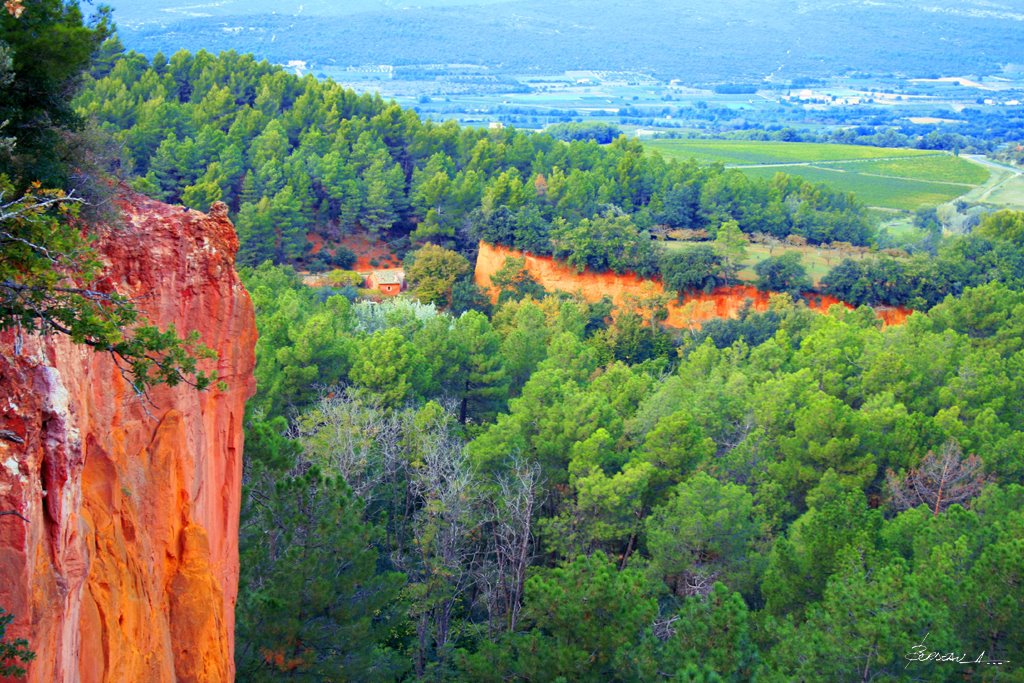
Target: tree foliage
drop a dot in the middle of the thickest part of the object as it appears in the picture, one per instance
(433, 272)
(783, 273)
(314, 603)
(557, 491)
(13, 653)
(46, 47)
(514, 281)
(713, 512)
(697, 268)
(291, 155)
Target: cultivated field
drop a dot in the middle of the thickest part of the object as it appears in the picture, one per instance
(1009, 193)
(886, 178)
(906, 194)
(1004, 189)
(752, 152)
(941, 168)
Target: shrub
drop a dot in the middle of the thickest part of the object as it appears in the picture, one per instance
(343, 257)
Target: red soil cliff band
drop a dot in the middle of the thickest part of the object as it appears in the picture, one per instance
(723, 302)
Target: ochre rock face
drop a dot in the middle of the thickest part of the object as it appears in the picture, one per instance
(724, 302)
(125, 566)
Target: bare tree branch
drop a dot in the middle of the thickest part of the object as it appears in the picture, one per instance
(16, 514)
(939, 481)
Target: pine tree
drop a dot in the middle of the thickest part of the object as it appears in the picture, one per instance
(289, 224)
(377, 214)
(312, 603)
(485, 385)
(256, 235)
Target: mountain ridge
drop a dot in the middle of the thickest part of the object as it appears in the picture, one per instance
(712, 42)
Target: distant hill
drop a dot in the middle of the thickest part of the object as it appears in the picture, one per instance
(135, 12)
(704, 41)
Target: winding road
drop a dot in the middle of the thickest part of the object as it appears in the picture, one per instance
(986, 190)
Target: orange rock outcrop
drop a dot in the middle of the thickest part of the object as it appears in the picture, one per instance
(121, 563)
(724, 302)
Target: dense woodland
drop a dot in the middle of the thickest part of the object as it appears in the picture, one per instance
(541, 493)
(538, 495)
(438, 488)
(292, 155)
(451, 490)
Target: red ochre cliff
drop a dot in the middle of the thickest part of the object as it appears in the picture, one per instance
(724, 302)
(126, 569)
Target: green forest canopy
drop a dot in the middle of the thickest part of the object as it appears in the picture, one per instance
(539, 494)
(292, 155)
(784, 487)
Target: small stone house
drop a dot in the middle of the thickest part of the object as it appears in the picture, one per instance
(389, 282)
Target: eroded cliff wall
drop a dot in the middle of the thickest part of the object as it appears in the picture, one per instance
(122, 562)
(724, 302)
